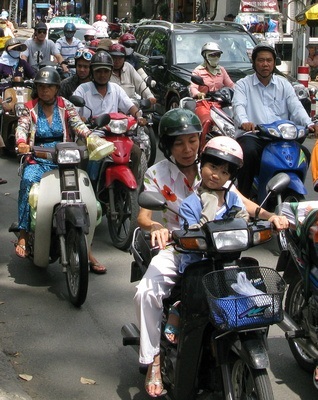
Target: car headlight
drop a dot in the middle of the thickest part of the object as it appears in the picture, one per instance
(68, 156)
(236, 240)
(118, 126)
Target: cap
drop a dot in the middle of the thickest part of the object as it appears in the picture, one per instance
(104, 44)
(40, 25)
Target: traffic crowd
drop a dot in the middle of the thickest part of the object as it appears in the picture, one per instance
(100, 72)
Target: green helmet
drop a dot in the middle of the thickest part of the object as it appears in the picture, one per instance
(176, 122)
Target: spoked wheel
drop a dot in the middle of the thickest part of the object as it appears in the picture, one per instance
(249, 383)
(123, 220)
(293, 306)
(142, 168)
(77, 269)
(150, 146)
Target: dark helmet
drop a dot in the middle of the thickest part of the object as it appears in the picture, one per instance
(15, 44)
(48, 75)
(263, 46)
(176, 122)
(69, 27)
(101, 59)
(225, 149)
(117, 50)
(128, 40)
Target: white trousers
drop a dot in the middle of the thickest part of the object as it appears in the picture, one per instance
(156, 285)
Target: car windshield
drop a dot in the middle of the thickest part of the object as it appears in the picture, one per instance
(56, 33)
(236, 47)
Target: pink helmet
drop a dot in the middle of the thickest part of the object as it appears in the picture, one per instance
(225, 148)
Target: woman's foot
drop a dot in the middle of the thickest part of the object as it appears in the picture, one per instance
(21, 245)
(153, 383)
(172, 325)
(95, 266)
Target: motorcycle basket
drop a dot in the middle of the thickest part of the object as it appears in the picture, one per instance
(231, 311)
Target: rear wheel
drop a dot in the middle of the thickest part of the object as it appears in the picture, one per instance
(151, 146)
(77, 268)
(174, 102)
(250, 383)
(294, 307)
(123, 220)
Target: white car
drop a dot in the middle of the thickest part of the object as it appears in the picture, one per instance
(56, 25)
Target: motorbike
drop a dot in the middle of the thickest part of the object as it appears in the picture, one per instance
(14, 95)
(63, 223)
(115, 184)
(298, 264)
(283, 153)
(222, 344)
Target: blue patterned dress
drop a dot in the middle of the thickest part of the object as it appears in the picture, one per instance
(33, 172)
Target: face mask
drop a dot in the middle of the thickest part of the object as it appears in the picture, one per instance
(129, 51)
(14, 54)
(213, 61)
(69, 35)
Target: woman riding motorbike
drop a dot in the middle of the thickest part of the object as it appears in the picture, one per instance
(11, 65)
(47, 120)
(214, 77)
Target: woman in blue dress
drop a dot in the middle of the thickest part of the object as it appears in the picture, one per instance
(48, 119)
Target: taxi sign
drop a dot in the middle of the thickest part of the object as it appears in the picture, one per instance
(65, 20)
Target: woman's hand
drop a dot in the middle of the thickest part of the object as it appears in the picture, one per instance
(23, 148)
(159, 235)
(280, 222)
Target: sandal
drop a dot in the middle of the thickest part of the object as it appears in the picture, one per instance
(172, 326)
(315, 377)
(97, 268)
(21, 250)
(155, 381)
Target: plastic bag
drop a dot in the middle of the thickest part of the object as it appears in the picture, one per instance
(244, 286)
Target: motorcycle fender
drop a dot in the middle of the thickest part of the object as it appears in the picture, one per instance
(253, 352)
(121, 173)
(75, 214)
(296, 183)
(50, 184)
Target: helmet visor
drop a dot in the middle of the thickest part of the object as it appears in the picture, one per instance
(212, 54)
(130, 45)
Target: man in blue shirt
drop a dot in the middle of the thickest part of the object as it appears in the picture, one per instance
(262, 98)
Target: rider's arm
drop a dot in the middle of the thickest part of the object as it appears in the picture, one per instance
(159, 234)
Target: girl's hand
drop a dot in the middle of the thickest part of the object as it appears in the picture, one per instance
(23, 148)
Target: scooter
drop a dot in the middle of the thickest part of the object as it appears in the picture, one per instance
(63, 223)
(283, 153)
(299, 264)
(222, 344)
(116, 185)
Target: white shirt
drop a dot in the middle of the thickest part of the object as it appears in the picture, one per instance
(115, 100)
(68, 50)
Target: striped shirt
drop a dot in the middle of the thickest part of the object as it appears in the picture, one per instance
(68, 50)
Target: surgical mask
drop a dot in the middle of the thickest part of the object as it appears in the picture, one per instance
(129, 51)
(213, 61)
(14, 54)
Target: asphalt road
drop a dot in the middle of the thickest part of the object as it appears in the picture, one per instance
(42, 335)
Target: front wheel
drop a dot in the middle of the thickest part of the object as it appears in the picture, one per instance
(294, 307)
(77, 268)
(250, 383)
(151, 146)
(122, 221)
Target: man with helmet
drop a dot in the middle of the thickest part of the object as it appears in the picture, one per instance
(125, 75)
(68, 45)
(90, 35)
(176, 177)
(39, 49)
(82, 74)
(129, 41)
(11, 65)
(262, 98)
(214, 77)
(101, 27)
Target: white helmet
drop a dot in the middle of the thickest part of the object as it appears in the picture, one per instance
(90, 32)
(104, 18)
(211, 46)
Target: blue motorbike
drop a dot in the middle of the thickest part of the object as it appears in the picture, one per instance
(283, 153)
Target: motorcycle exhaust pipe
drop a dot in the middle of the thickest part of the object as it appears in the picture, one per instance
(290, 327)
(131, 336)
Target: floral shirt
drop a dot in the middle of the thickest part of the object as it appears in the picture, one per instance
(167, 179)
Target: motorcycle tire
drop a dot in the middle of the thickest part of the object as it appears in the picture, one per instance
(293, 305)
(142, 168)
(123, 221)
(250, 383)
(77, 268)
(151, 149)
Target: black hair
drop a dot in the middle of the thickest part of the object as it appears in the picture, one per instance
(232, 168)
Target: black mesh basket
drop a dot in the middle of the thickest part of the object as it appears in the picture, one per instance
(231, 311)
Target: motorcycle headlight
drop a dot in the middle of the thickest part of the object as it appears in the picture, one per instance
(118, 126)
(236, 240)
(301, 91)
(288, 131)
(68, 156)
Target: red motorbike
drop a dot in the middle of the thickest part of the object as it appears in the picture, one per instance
(116, 178)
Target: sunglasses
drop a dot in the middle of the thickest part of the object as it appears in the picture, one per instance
(130, 45)
(41, 31)
(213, 55)
(87, 55)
